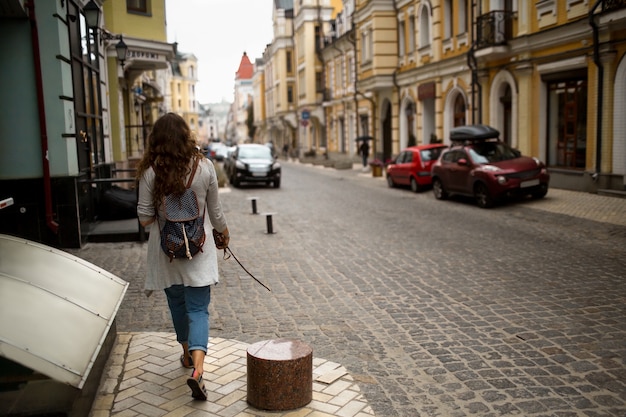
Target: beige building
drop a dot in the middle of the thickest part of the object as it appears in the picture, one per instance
(182, 99)
(535, 71)
(548, 75)
(134, 90)
(280, 88)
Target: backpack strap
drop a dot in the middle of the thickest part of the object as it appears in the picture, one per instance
(193, 172)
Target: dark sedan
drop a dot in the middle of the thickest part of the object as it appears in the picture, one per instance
(253, 163)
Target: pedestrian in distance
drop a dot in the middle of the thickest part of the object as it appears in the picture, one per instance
(171, 164)
(364, 150)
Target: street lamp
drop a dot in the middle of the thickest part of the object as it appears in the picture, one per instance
(92, 16)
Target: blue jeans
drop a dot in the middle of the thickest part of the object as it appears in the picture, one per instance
(189, 307)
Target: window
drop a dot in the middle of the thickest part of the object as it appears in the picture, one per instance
(290, 94)
(411, 34)
(349, 71)
(424, 27)
(137, 6)
(342, 78)
(366, 46)
(462, 16)
(402, 35)
(567, 123)
(289, 63)
(85, 56)
(447, 19)
(459, 111)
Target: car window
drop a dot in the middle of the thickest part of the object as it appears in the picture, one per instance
(430, 154)
(408, 158)
(448, 156)
(258, 152)
(487, 152)
(454, 156)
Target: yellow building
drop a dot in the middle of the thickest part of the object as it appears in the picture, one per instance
(280, 87)
(549, 75)
(182, 99)
(258, 104)
(311, 24)
(135, 91)
(340, 101)
(552, 79)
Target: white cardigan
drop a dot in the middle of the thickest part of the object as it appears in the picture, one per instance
(202, 269)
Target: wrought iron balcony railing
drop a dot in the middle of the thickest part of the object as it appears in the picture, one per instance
(611, 5)
(494, 28)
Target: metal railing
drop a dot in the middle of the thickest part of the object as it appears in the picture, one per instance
(612, 5)
(494, 28)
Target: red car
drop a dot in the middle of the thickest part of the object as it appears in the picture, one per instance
(413, 165)
(481, 166)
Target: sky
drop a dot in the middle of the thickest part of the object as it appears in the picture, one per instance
(218, 32)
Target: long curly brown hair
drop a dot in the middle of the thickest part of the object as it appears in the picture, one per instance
(171, 146)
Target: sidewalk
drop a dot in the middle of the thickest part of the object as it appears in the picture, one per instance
(144, 377)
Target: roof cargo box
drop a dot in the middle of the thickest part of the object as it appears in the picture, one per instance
(473, 132)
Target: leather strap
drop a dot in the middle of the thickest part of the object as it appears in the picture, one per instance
(193, 172)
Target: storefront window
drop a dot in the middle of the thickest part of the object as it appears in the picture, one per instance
(567, 123)
(85, 52)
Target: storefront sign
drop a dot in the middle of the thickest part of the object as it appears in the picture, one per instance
(426, 91)
(144, 55)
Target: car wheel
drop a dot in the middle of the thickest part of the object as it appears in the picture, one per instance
(438, 190)
(277, 183)
(482, 196)
(541, 192)
(415, 187)
(390, 182)
(234, 181)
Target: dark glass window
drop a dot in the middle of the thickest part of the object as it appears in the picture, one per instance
(139, 6)
(85, 58)
(567, 123)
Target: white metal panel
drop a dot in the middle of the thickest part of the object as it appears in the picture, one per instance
(55, 309)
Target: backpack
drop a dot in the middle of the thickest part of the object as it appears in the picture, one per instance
(182, 235)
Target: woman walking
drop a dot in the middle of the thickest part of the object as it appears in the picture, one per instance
(170, 163)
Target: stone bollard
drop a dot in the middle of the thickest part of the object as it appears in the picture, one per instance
(280, 374)
(253, 199)
(269, 222)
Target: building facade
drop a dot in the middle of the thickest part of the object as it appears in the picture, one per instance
(80, 109)
(548, 75)
(280, 87)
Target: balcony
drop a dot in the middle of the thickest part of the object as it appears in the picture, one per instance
(494, 29)
(613, 5)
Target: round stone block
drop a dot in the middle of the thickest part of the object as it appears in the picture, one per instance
(280, 374)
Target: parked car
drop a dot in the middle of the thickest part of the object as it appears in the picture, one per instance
(479, 165)
(413, 165)
(253, 163)
(221, 153)
(214, 149)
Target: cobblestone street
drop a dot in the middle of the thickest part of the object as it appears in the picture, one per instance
(434, 308)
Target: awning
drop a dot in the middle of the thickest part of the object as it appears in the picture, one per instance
(55, 309)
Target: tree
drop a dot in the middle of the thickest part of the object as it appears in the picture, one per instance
(250, 122)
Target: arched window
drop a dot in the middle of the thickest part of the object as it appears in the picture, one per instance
(459, 111)
(424, 27)
(506, 100)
